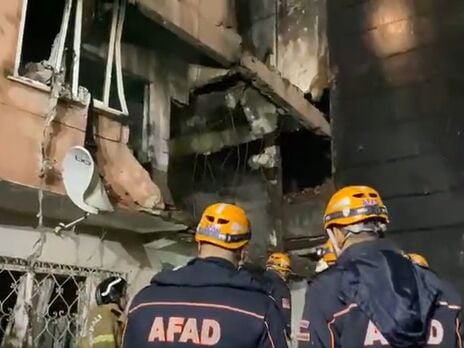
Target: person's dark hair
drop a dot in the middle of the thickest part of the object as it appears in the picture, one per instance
(111, 290)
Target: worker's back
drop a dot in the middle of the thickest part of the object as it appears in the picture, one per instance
(375, 297)
(280, 291)
(206, 303)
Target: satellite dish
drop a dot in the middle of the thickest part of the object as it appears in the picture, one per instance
(82, 182)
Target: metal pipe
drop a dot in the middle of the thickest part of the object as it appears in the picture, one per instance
(61, 226)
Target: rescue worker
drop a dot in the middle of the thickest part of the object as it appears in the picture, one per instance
(278, 268)
(208, 302)
(373, 296)
(418, 260)
(328, 257)
(105, 322)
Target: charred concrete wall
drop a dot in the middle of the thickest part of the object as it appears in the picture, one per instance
(257, 24)
(202, 179)
(217, 11)
(397, 124)
(24, 106)
(289, 35)
(302, 44)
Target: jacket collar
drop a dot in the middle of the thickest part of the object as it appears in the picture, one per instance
(216, 260)
(358, 249)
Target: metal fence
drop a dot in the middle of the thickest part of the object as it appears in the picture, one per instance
(44, 304)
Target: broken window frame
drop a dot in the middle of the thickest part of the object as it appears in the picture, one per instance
(114, 58)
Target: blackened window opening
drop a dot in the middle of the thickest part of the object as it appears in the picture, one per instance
(134, 89)
(42, 27)
(306, 160)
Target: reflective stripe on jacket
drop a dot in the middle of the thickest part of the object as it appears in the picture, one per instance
(206, 303)
(104, 327)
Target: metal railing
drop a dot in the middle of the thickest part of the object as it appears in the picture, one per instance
(44, 304)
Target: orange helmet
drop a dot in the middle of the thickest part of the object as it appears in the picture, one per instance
(224, 225)
(329, 253)
(354, 204)
(279, 262)
(418, 260)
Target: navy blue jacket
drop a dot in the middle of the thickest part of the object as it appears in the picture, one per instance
(279, 290)
(208, 302)
(375, 297)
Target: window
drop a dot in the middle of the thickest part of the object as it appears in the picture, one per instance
(44, 304)
(59, 38)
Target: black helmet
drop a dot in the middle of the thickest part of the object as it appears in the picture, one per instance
(111, 290)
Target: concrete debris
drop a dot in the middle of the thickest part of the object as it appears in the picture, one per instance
(234, 95)
(83, 95)
(231, 101)
(259, 111)
(41, 72)
(267, 159)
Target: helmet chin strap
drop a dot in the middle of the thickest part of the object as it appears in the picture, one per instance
(334, 241)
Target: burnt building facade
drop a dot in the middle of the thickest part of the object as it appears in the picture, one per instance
(396, 117)
(178, 108)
